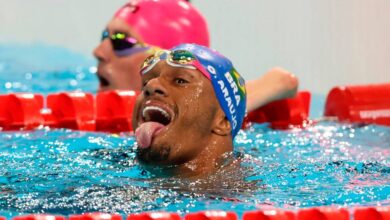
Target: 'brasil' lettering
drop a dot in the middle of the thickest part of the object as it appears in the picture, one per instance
(229, 102)
(233, 85)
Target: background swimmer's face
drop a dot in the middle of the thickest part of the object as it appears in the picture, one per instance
(118, 72)
(189, 99)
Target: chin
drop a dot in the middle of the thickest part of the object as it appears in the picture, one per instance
(154, 154)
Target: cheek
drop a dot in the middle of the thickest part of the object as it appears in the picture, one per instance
(199, 100)
(129, 65)
(198, 111)
(126, 74)
(197, 97)
(192, 97)
(134, 62)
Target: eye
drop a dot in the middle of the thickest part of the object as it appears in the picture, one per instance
(180, 81)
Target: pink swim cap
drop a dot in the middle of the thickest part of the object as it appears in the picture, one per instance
(165, 23)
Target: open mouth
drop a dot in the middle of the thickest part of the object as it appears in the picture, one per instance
(153, 119)
(157, 114)
(103, 81)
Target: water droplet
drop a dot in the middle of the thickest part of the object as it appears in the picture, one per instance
(8, 85)
(80, 76)
(92, 69)
(28, 76)
(73, 82)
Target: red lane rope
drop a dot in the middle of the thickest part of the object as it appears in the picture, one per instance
(317, 213)
(111, 111)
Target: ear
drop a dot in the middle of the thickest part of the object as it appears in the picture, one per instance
(221, 124)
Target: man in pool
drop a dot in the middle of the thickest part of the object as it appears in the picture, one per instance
(164, 24)
(191, 107)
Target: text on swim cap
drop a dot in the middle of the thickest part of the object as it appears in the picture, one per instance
(211, 69)
(229, 102)
(233, 85)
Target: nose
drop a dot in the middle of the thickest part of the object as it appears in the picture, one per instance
(154, 88)
(103, 50)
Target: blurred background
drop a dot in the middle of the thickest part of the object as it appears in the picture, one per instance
(325, 43)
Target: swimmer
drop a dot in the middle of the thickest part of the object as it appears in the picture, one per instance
(191, 107)
(139, 27)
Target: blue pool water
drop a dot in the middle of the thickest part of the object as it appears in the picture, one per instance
(64, 172)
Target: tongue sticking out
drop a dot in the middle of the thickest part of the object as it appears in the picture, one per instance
(146, 132)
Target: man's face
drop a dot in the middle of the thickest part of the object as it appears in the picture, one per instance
(176, 110)
(118, 72)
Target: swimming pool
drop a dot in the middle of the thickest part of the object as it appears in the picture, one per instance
(66, 172)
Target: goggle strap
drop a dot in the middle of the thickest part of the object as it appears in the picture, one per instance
(201, 68)
(188, 66)
(131, 51)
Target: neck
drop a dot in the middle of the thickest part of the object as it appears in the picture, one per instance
(207, 161)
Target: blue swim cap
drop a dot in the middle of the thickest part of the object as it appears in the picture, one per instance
(228, 84)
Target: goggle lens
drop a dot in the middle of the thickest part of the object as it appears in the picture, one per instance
(148, 62)
(120, 41)
(123, 44)
(182, 57)
(178, 58)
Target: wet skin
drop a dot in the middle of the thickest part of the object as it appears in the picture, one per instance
(118, 72)
(197, 132)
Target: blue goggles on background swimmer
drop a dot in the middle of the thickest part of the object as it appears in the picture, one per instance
(122, 44)
(228, 85)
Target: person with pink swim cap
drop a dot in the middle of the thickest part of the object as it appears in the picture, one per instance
(140, 27)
